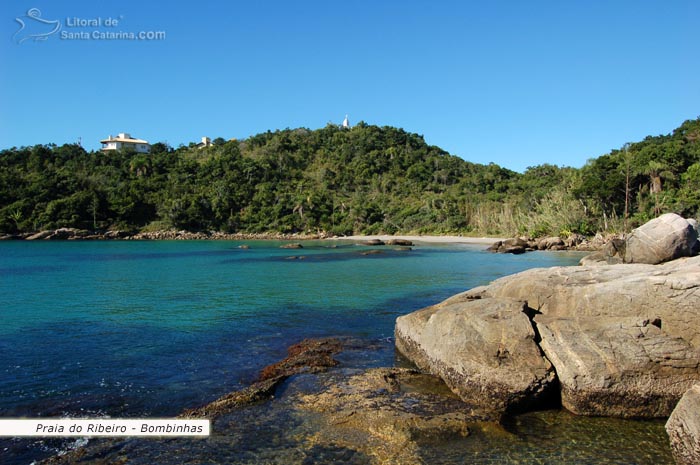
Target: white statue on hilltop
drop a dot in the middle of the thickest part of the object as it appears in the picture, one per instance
(346, 122)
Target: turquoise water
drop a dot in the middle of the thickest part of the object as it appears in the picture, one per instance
(151, 328)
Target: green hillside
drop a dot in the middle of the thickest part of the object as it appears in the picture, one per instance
(366, 179)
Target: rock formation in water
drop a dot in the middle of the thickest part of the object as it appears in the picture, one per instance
(307, 356)
(387, 412)
(624, 340)
(484, 350)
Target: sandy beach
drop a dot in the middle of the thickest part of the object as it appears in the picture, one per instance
(426, 239)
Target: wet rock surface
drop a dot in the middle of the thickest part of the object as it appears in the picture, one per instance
(386, 412)
(373, 416)
(683, 428)
(308, 356)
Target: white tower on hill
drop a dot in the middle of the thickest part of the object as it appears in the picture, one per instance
(346, 122)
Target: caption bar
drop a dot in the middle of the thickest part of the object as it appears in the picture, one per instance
(103, 427)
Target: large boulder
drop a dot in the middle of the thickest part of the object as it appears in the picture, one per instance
(623, 339)
(484, 350)
(665, 238)
(683, 428)
(670, 292)
(618, 366)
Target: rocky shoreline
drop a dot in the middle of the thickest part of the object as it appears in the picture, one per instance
(72, 234)
(381, 414)
(617, 340)
(515, 245)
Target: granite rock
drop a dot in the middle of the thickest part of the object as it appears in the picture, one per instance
(665, 238)
(683, 428)
(483, 349)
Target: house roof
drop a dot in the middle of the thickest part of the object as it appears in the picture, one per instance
(123, 139)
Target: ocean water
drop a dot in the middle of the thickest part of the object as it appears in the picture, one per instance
(134, 329)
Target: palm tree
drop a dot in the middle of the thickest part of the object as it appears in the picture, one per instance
(657, 172)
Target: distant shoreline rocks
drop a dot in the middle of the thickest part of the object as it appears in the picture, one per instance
(71, 234)
(662, 239)
(520, 245)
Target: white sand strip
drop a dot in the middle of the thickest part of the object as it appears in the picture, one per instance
(427, 239)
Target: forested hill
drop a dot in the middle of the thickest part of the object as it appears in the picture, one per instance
(366, 179)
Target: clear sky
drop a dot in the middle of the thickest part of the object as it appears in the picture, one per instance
(518, 83)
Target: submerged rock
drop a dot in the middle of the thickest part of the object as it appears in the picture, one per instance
(256, 392)
(387, 412)
(483, 349)
(683, 427)
(372, 252)
(294, 245)
(308, 356)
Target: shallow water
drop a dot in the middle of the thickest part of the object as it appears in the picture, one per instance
(150, 328)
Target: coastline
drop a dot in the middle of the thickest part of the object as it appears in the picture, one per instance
(84, 235)
(429, 239)
(289, 399)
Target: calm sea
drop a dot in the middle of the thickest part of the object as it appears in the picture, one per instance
(130, 329)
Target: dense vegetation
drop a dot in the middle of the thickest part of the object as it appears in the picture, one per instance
(366, 179)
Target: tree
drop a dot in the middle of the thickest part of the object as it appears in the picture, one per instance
(366, 179)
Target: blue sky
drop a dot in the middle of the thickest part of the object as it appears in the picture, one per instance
(512, 82)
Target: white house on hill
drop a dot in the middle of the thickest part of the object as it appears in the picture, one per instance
(206, 142)
(125, 141)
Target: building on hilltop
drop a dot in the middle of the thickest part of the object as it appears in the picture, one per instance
(346, 122)
(206, 142)
(125, 141)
